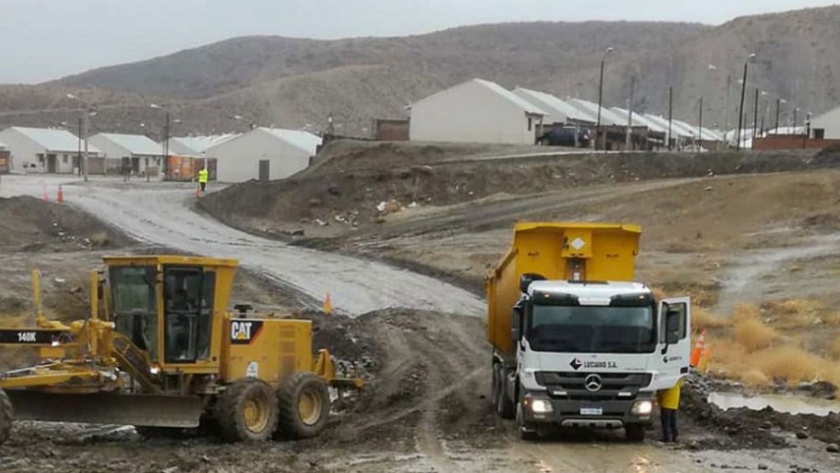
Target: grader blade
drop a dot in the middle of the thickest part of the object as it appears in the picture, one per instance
(152, 410)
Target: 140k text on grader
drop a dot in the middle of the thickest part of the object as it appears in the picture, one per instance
(576, 342)
(160, 351)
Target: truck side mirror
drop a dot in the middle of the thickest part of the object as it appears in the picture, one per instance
(516, 323)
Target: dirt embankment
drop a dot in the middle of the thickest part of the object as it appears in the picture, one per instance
(356, 187)
(31, 225)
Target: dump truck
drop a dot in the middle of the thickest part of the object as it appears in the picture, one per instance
(160, 351)
(576, 341)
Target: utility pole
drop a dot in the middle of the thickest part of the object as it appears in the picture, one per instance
(670, 113)
(726, 108)
(600, 98)
(628, 144)
(778, 113)
(86, 126)
(700, 139)
(755, 112)
(165, 143)
(79, 154)
(743, 94)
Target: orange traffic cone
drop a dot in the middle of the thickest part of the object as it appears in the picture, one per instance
(698, 349)
(703, 365)
(328, 305)
(60, 197)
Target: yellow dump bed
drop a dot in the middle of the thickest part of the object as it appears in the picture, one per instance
(556, 251)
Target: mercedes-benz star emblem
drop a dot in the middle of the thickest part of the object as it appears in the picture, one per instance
(593, 383)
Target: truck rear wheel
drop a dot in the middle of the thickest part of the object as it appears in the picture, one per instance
(634, 432)
(504, 406)
(6, 417)
(304, 403)
(247, 411)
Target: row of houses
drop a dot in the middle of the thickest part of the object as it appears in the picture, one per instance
(261, 153)
(485, 112)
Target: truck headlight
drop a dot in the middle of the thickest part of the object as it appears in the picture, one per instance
(540, 406)
(642, 408)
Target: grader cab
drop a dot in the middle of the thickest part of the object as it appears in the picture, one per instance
(160, 351)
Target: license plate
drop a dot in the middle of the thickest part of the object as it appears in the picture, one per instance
(591, 411)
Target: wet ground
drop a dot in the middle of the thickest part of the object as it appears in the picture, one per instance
(427, 409)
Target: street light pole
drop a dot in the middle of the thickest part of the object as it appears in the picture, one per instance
(670, 113)
(778, 113)
(601, 95)
(755, 113)
(86, 127)
(743, 94)
(700, 139)
(628, 144)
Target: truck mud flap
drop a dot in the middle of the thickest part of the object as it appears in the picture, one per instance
(151, 410)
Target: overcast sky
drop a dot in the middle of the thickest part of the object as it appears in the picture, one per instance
(46, 39)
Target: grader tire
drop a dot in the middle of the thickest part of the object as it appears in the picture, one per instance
(247, 412)
(304, 402)
(6, 417)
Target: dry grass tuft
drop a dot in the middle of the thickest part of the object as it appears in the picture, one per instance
(753, 335)
(745, 312)
(100, 239)
(797, 313)
(754, 378)
(703, 319)
(835, 347)
(789, 362)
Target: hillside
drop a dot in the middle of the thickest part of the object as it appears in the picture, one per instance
(295, 82)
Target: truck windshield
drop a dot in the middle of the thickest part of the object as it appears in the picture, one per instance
(587, 329)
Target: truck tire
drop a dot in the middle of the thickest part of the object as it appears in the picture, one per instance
(504, 406)
(634, 432)
(247, 411)
(6, 417)
(304, 405)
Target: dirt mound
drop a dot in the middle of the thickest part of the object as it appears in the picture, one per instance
(29, 224)
(358, 184)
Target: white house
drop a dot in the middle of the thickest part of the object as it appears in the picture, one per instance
(827, 125)
(42, 150)
(137, 151)
(476, 111)
(4, 158)
(264, 154)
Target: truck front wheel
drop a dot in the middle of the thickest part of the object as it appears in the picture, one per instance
(527, 431)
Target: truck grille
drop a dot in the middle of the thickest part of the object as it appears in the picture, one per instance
(572, 386)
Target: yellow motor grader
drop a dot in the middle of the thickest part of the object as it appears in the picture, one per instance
(160, 351)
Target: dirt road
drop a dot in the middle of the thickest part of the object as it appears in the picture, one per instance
(160, 215)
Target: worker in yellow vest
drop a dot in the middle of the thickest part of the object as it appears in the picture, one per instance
(669, 405)
(202, 178)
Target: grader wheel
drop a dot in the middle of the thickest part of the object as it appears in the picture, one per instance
(304, 403)
(6, 416)
(247, 411)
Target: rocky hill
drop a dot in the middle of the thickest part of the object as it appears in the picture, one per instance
(297, 82)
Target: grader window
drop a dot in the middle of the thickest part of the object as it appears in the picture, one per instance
(133, 304)
(187, 331)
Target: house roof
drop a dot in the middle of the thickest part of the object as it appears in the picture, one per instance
(301, 139)
(53, 139)
(199, 144)
(608, 117)
(557, 109)
(638, 119)
(676, 129)
(3, 145)
(135, 144)
(497, 89)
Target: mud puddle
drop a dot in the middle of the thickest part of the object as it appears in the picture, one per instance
(789, 404)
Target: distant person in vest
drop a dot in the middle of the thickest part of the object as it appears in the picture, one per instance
(202, 178)
(669, 405)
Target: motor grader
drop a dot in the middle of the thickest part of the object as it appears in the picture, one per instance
(160, 351)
